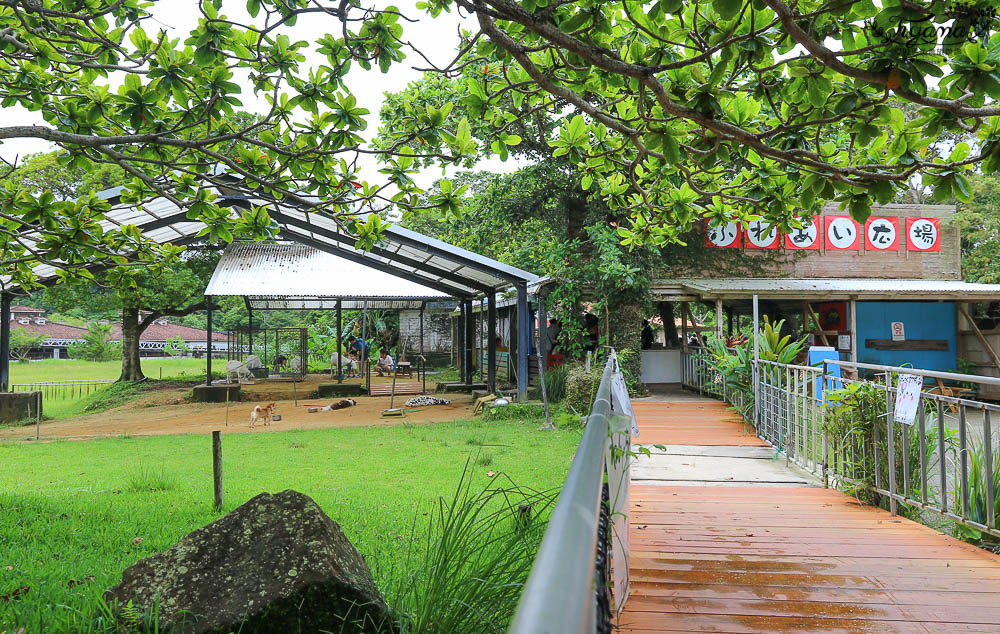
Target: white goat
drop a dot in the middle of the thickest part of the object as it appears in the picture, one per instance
(296, 364)
(253, 362)
(239, 369)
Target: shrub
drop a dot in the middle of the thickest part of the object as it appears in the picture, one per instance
(175, 347)
(96, 345)
(514, 411)
(581, 387)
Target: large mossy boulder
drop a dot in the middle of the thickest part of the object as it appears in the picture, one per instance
(276, 564)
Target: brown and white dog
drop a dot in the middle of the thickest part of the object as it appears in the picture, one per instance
(262, 412)
(341, 404)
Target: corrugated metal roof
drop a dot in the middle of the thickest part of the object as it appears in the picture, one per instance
(780, 288)
(440, 266)
(294, 276)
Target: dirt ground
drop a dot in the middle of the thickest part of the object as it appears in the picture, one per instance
(166, 411)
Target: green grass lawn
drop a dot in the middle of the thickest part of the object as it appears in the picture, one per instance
(72, 370)
(75, 511)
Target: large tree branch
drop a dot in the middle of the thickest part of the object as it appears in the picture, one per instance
(832, 60)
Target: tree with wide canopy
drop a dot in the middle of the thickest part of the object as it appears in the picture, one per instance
(673, 111)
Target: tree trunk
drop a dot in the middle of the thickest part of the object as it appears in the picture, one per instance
(131, 367)
(666, 310)
(626, 337)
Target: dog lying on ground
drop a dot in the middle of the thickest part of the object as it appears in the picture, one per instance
(341, 404)
(262, 412)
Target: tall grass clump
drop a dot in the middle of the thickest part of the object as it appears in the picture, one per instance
(555, 383)
(148, 479)
(465, 574)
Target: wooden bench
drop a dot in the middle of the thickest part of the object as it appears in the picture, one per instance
(404, 368)
(951, 391)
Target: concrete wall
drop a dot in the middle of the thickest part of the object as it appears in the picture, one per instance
(921, 320)
(661, 366)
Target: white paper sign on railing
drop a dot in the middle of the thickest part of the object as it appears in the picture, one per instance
(620, 403)
(907, 398)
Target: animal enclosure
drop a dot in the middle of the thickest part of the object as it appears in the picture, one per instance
(281, 351)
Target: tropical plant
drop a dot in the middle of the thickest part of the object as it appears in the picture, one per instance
(734, 365)
(97, 345)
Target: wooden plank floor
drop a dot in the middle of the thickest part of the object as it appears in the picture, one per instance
(755, 559)
(709, 423)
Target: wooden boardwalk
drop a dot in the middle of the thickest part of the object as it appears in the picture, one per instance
(703, 423)
(790, 559)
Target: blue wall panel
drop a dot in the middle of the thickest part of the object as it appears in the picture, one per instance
(921, 320)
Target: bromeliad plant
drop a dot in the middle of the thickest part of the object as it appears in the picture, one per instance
(735, 365)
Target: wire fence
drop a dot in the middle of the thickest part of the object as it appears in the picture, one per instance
(62, 389)
(838, 421)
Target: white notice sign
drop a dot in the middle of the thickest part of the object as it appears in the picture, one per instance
(843, 342)
(898, 334)
(907, 398)
(620, 403)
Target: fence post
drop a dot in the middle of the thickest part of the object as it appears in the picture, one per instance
(891, 441)
(756, 370)
(217, 467)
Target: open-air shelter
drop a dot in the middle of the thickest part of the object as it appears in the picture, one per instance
(443, 268)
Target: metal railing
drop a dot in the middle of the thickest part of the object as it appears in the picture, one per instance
(698, 374)
(789, 412)
(62, 389)
(947, 462)
(568, 589)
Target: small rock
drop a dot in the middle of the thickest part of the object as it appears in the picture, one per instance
(275, 564)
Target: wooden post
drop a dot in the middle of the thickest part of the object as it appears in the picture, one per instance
(227, 406)
(460, 339)
(4, 342)
(979, 333)
(217, 468)
(208, 344)
(250, 328)
(543, 355)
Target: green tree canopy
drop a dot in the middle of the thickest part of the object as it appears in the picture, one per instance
(115, 88)
(736, 108)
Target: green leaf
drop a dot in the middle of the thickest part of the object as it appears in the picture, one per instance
(727, 9)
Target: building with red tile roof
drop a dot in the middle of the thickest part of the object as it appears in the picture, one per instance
(60, 336)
